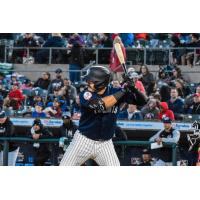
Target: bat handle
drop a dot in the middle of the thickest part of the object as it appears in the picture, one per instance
(124, 68)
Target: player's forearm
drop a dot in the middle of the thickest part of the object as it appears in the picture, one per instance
(112, 99)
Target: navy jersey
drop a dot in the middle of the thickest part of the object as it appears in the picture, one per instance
(100, 126)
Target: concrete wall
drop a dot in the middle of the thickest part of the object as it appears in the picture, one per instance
(33, 71)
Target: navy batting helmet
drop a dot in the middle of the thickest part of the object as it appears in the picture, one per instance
(99, 75)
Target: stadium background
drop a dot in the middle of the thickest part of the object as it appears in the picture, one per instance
(158, 51)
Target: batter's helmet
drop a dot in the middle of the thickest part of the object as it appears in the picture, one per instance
(99, 75)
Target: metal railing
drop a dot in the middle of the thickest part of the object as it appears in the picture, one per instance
(144, 55)
(7, 140)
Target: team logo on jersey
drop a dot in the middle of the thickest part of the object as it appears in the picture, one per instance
(87, 95)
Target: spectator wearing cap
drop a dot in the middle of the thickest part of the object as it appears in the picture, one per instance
(167, 135)
(15, 97)
(146, 158)
(138, 84)
(55, 110)
(165, 111)
(44, 81)
(41, 150)
(7, 130)
(68, 127)
(38, 113)
(176, 103)
(132, 113)
(58, 82)
(26, 85)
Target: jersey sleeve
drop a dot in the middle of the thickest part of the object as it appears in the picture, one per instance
(86, 97)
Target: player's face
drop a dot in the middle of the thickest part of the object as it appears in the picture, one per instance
(167, 126)
(2, 120)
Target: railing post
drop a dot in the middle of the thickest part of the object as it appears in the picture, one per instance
(5, 54)
(50, 55)
(97, 56)
(174, 156)
(145, 56)
(5, 152)
(194, 61)
(28, 53)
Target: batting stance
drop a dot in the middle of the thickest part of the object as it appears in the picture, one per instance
(99, 106)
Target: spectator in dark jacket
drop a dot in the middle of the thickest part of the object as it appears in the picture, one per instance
(44, 81)
(76, 61)
(147, 79)
(7, 130)
(41, 150)
(176, 104)
(130, 114)
(195, 107)
(58, 82)
(55, 41)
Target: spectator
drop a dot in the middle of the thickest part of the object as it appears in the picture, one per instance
(54, 111)
(127, 39)
(151, 109)
(132, 113)
(147, 79)
(26, 85)
(56, 40)
(38, 113)
(58, 82)
(169, 134)
(44, 81)
(26, 40)
(189, 57)
(138, 84)
(76, 109)
(176, 104)
(15, 97)
(106, 40)
(41, 150)
(195, 107)
(115, 65)
(165, 111)
(7, 130)
(146, 158)
(68, 90)
(183, 89)
(176, 73)
(76, 61)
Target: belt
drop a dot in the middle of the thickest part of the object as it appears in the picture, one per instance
(98, 140)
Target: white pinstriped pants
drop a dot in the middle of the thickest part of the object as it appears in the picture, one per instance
(82, 148)
(12, 157)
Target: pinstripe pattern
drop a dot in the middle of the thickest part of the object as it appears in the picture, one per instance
(12, 157)
(81, 149)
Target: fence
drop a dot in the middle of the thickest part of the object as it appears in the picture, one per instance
(54, 55)
(6, 141)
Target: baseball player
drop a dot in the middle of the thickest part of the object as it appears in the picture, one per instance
(99, 106)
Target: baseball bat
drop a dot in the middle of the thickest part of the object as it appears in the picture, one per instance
(120, 56)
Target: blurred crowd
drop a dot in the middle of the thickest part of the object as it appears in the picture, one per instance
(169, 94)
(182, 56)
